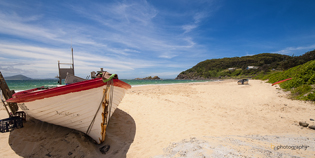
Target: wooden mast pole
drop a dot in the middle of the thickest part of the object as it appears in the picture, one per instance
(72, 60)
(7, 94)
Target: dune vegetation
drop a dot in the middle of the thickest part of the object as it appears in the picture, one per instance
(302, 84)
(274, 67)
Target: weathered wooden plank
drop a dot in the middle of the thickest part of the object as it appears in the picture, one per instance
(7, 94)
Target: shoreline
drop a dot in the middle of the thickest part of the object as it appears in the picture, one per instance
(166, 84)
(132, 82)
(211, 119)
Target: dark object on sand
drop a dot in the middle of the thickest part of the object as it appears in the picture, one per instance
(104, 149)
(21, 114)
(312, 127)
(9, 124)
(304, 124)
(242, 81)
(312, 119)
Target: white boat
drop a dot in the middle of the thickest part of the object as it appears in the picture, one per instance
(85, 106)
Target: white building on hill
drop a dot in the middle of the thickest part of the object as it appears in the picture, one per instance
(252, 67)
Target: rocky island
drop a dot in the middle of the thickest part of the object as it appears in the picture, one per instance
(148, 78)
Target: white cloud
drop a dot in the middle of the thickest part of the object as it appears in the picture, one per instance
(119, 15)
(248, 54)
(120, 36)
(44, 60)
(20, 26)
(131, 50)
(196, 20)
(188, 28)
(290, 50)
(167, 56)
(132, 27)
(199, 16)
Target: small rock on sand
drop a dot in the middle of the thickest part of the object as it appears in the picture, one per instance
(104, 149)
(304, 124)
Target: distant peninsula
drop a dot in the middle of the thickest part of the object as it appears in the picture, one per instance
(148, 78)
(17, 77)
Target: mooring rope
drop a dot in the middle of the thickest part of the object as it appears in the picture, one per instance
(98, 109)
(110, 100)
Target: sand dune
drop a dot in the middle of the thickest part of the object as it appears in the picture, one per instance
(210, 119)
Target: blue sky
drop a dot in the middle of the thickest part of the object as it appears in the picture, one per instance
(138, 38)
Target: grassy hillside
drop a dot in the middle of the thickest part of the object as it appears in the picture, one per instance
(218, 68)
(302, 84)
(274, 67)
(266, 62)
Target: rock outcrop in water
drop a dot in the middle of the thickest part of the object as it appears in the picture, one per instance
(148, 78)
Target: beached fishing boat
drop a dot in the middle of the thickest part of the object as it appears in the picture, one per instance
(85, 106)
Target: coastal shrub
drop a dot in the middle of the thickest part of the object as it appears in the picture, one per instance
(303, 76)
(236, 72)
(264, 75)
(299, 92)
(310, 96)
(266, 62)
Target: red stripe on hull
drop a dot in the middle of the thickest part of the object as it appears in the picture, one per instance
(33, 94)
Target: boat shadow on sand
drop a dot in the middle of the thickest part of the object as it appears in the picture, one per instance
(41, 139)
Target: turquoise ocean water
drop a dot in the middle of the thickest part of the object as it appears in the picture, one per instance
(19, 85)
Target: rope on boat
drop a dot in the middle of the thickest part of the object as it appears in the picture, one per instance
(93, 120)
(110, 102)
(109, 86)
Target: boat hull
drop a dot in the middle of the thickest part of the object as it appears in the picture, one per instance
(82, 109)
(75, 110)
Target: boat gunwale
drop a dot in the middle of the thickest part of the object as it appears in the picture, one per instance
(32, 94)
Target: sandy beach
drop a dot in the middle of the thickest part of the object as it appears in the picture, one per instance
(209, 119)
